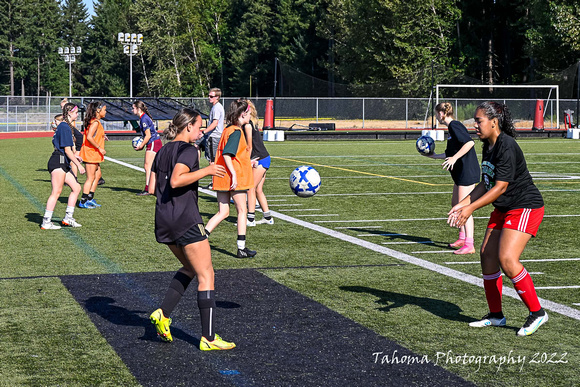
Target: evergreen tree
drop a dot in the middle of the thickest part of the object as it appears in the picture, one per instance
(75, 33)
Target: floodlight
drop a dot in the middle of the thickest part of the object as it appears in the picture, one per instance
(121, 37)
(126, 50)
(127, 37)
(66, 50)
(60, 50)
(133, 38)
(78, 49)
(66, 58)
(134, 49)
(72, 59)
(139, 38)
(72, 50)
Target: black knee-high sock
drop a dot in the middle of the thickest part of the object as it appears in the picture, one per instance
(177, 287)
(206, 305)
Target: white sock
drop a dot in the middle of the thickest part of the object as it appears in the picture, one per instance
(241, 244)
(47, 216)
(69, 211)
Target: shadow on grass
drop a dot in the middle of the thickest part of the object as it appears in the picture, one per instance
(391, 300)
(34, 217)
(394, 236)
(117, 315)
(122, 189)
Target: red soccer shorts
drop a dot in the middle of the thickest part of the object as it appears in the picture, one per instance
(155, 146)
(522, 219)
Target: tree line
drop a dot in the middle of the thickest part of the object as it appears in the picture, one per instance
(192, 45)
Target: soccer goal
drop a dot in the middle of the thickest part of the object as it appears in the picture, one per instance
(521, 100)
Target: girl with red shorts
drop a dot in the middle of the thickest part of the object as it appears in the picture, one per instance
(519, 209)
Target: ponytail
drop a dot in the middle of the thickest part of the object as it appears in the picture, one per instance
(66, 109)
(446, 108)
(141, 105)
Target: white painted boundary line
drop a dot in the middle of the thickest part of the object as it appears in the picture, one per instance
(423, 219)
(140, 169)
(523, 260)
(464, 277)
(558, 287)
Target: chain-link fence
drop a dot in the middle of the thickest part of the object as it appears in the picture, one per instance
(19, 114)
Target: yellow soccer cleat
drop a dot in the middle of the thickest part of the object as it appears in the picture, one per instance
(217, 344)
(162, 324)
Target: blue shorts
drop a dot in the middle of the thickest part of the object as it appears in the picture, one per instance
(265, 162)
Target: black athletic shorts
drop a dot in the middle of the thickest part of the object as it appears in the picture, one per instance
(58, 160)
(193, 235)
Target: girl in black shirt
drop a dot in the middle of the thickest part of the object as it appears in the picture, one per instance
(461, 161)
(519, 209)
(174, 180)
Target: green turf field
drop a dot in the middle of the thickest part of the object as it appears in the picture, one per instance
(371, 245)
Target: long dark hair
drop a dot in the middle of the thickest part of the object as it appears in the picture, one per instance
(179, 122)
(66, 109)
(236, 109)
(497, 110)
(141, 105)
(92, 112)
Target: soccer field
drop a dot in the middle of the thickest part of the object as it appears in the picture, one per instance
(355, 285)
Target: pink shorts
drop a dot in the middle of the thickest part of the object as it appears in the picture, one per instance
(522, 219)
(155, 146)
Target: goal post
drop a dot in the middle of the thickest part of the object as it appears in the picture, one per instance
(478, 96)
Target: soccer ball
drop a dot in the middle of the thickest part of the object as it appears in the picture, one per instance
(304, 181)
(425, 145)
(137, 141)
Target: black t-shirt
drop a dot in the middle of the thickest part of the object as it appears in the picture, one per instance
(506, 162)
(466, 170)
(78, 139)
(176, 210)
(258, 148)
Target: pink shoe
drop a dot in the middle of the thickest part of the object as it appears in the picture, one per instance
(457, 243)
(466, 249)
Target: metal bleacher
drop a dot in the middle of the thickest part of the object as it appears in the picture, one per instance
(120, 109)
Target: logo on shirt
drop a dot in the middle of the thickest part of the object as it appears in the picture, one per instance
(509, 222)
(488, 172)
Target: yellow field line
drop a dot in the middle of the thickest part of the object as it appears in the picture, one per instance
(361, 172)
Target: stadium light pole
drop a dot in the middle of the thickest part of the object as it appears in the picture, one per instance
(131, 43)
(69, 55)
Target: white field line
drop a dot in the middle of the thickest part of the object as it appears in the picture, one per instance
(522, 260)
(371, 235)
(319, 215)
(405, 193)
(140, 169)
(458, 275)
(558, 287)
(433, 252)
(424, 219)
(407, 243)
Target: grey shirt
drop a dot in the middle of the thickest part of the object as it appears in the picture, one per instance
(217, 113)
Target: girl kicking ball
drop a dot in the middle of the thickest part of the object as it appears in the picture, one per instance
(519, 210)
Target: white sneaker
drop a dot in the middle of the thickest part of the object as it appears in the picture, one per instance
(488, 321)
(251, 224)
(532, 324)
(71, 222)
(265, 221)
(49, 226)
